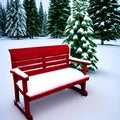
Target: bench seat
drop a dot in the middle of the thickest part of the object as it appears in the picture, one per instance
(41, 83)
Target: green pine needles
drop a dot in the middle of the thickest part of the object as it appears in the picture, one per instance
(79, 34)
(106, 19)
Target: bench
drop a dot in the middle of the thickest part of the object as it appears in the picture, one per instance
(43, 70)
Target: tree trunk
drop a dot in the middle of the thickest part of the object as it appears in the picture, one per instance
(102, 42)
(18, 37)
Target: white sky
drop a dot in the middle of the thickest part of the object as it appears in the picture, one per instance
(44, 2)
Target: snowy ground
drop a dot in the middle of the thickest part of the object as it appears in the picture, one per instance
(102, 102)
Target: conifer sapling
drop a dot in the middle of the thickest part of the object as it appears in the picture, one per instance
(79, 34)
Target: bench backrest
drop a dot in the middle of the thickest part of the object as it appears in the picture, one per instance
(35, 60)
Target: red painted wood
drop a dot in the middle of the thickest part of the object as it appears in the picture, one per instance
(31, 66)
(38, 71)
(57, 57)
(33, 60)
(37, 52)
(37, 60)
(26, 62)
(83, 62)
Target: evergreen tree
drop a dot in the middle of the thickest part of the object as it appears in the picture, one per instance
(33, 24)
(44, 28)
(16, 20)
(27, 7)
(41, 17)
(57, 16)
(8, 4)
(2, 20)
(106, 19)
(79, 34)
(10, 18)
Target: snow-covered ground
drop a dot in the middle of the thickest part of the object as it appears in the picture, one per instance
(102, 102)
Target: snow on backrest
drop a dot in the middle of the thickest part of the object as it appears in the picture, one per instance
(35, 60)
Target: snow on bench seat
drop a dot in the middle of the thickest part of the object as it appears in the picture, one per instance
(50, 80)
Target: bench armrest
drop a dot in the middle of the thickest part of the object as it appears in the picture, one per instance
(19, 73)
(83, 62)
(86, 62)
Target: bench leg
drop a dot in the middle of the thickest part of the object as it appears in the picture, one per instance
(82, 91)
(16, 94)
(26, 109)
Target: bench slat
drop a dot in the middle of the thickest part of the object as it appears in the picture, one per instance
(57, 62)
(27, 62)
(31, 66)
(63, 56)
(40, 70)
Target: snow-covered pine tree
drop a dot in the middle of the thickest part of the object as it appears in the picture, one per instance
(2, 20)
(10, 17)
(16, 20)
(79, 34)
(45, 24)
(33, 24)
(106, 19)
(57, 16)
(41, 17)
(20, 23)
(7, 5)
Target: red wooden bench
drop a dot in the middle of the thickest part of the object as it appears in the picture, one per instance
(40, 71)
